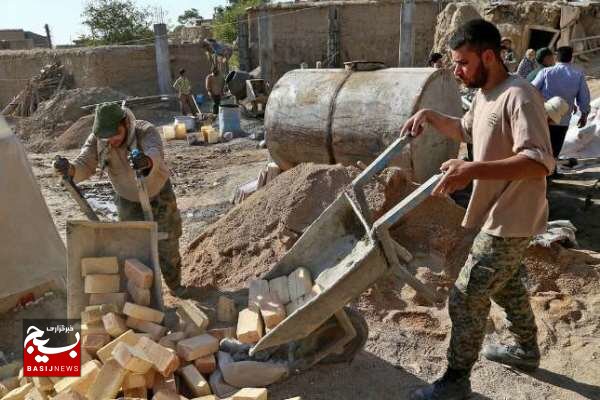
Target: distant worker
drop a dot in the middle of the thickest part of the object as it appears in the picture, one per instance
(115, 133)
(435, 60)
(568, 82)
(184, 91)
(544, 58)
(508, 55)
(214, 87)
(512, 156)
(527, 64)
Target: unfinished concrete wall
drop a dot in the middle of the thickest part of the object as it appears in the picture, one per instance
(130, 69)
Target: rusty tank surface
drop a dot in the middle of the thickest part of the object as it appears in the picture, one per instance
(331, 116)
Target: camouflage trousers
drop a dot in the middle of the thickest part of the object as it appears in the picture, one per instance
(493, 271)
(168, 219)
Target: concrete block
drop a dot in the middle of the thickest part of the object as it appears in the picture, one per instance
(93, 343)
(206, 365)
(43, 383)
(99, 265)
(135, 393)
(138, 273)
(222, 333)
(195, 381)
(114, 324)
(142, 312)
(134, 380)
(118, 299)
(197, 346)
(249, 326)
(251, 394)
(129, 337)
(139, 295)
(36, 394)
(219, 386)
(156, 331)
(272, 311)
(108, 381)
(279, 289)
(257, 291)
(19, 393)
(131, 358)
(82, 383)
(102, 283)
(164, 359)
(193, 313)
(299, 283)
(226, 310)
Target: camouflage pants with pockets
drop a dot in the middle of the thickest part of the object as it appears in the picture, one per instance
(494, 271)
(168, 219)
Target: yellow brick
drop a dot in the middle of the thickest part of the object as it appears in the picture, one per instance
(197, 346)
(251, 394)
(138, 273)
(19, 393)
(93, 343)
(129, 337)
(114, 324)
(226, 310)
(43, 383)
(36, 394)
(249, 326)
(195, 381)
(79, 384)
(136, 393)
(142, 312)
(133, 380)
(107, 382)
(156, 331)
(194, 314)
(272, 311)
(93, 314)
(118, 299)
(99, 265)
(221, 333)
(139, 295)
(206, 365)
(164, 359)
(102, 283)
(165, 383)
(151, 375)
(131, 358)
(209, 397)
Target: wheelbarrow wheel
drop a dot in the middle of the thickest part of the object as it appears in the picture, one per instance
(352, 348)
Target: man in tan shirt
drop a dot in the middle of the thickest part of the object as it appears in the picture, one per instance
(512, 156)
(214, 87)
(115, 133)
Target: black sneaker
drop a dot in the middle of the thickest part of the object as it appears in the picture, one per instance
(454, 385)
(517, 356)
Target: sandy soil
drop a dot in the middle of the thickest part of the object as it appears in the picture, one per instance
(407, 343)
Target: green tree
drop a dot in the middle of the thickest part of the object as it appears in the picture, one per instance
(225, 18)
(189, 16)
(115, 21)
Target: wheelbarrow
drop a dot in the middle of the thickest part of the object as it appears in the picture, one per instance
(345, 253)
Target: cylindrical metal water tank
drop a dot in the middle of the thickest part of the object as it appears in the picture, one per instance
(339, 116)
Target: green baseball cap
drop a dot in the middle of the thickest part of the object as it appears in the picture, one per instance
(107, 119)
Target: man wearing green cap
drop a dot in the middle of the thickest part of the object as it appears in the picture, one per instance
(115, 134)
(544, 58)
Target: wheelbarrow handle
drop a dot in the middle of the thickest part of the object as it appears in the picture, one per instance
(382, 161)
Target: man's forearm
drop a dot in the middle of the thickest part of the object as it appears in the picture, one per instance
(513, 168)
(446, 125)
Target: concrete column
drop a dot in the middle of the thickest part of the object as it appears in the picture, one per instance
(333, 39)
(163, 64)
(406, 52)
(265, 46)
(243, 46)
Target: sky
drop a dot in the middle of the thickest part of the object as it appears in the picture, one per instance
(64, 16)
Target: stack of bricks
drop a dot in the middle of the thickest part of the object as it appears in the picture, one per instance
(270, 302)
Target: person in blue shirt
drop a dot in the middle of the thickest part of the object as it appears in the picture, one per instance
(568, 82)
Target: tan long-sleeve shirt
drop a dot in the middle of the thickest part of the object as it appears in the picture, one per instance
(122, 176)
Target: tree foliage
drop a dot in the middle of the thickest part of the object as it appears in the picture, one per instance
(225, 18)
(115, 21)
(189, 17)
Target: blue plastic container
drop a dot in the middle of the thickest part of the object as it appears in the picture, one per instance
(229, 119)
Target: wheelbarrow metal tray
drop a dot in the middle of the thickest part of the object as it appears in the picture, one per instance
(343, 260)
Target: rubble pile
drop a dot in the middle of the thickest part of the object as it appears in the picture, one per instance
(51, 79)
(128, 351)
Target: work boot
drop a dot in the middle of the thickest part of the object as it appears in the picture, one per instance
(454, 385)
(526, 358)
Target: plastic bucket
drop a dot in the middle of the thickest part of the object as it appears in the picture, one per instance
(229, 119)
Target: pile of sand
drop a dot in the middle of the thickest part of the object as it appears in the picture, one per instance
(76, 135)
(54, 116)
